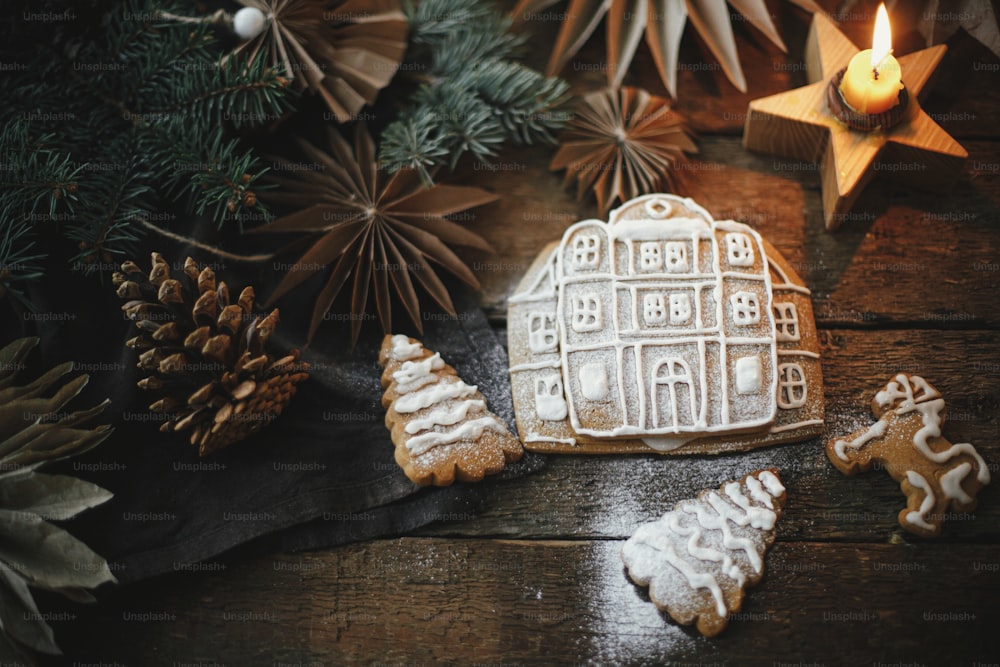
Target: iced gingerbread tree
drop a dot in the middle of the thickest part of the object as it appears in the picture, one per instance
(440, 425)
(698, 558)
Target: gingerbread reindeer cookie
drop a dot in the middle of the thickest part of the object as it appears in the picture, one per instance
(935, 475)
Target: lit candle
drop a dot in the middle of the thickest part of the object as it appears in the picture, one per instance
(873, 80)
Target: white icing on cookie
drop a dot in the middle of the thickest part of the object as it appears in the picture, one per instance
(666, 444)
(917, 517)
(760, 517)
(594, 381)
(430, 395)
(915, 394)
(444, 417)
(749, 375)
(470, 430)
(771, 481)
(655, 283)
(709, 530)
(415, 374)
(726, 513)
(951, 483)
(930, 413)
(698, 579)
(535, 437)
(877, 430)
(403, 349)
(549, 402)
(615, 300)
(758, 493)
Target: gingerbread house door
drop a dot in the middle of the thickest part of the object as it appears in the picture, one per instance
(672, 394)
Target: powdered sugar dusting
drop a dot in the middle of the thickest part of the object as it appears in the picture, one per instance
(698, 557)
(620, 626)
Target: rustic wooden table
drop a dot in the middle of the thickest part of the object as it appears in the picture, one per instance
(909, 283)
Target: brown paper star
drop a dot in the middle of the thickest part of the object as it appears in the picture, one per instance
(797, 124)
(622, 144)
(345, 51)
(662, 22)
(380, 231)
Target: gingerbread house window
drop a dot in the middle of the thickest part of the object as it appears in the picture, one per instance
(786, 322)
(542, 332)
(654, 310)
(746, 309)
(675, 256)
(549, 402)
(650, 256)
(791, 386)
(739, 249)
(586, 252)
(587, 313)
(680, 308)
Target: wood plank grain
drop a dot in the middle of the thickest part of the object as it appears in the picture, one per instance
(432, 601)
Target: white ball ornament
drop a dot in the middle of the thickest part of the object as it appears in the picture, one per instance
(248, 22)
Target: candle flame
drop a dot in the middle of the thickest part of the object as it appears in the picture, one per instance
(882, 39)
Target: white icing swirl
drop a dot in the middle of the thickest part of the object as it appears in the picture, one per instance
(403, 349)
(430, 395)
(470, 430)
(415, 374)
(444, 417)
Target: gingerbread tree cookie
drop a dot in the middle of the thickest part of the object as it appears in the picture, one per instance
(935, 474)
(698, 558)
(440, 425)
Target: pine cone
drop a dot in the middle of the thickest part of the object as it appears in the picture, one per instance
(206, 356)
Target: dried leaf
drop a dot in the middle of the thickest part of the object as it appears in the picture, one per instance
(12, 358)
(47, 556)
(20, 618)
(52, 497)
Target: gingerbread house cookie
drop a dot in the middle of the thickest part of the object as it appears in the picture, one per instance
(663, 330)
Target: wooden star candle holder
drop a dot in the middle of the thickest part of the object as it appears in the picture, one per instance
(799, 125)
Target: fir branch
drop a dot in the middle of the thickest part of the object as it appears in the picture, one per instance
(19, 261)
(243, 93)
(34, 174)
(36, 184)
(474, 98)
(107, 228)
(415, 142)
(464, 123)
(434, 20)
(470, 44)
(524, 100)
(219, 178)
(117, 112)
